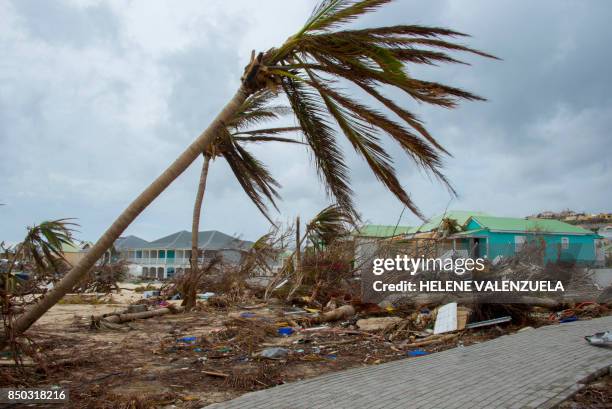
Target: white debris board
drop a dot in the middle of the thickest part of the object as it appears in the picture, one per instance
(446, 320)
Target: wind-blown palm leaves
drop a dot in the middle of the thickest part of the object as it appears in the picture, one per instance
(43, 243)
(310, 63)
(251, 173)
(329, 224)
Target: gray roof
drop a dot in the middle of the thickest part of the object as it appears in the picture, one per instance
(209, 240)
(130, 242)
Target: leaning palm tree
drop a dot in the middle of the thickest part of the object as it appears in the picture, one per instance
(307, 68)
(251, 173)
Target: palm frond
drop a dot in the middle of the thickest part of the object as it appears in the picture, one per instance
(333, 13)
(44, 241)
(257, 139)
(309, 64)
(328, 156)
(268, 131)
(329, 224)
(365, 142)
(253, 176)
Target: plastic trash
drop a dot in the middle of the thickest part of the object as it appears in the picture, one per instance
(151, 293)
(205, 296)
(417, 352)
(285, 331)
(331, 356)
(275, 353)
(600, 338)
(187, 340)
(568, 319)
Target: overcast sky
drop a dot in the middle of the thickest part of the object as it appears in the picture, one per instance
(98, 97)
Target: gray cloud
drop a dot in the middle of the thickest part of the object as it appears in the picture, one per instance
(97, 98)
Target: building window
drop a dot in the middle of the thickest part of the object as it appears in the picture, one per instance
(138, 253)
(170, 272)
(162, 253)
(564, 243)
(519, 242)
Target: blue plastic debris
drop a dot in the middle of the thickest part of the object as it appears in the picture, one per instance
(331, 356)
(417, 352)
(187, 340)
(568, 319)
(285, 331)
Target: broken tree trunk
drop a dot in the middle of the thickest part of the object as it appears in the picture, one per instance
(121, 318)
(425, 299)
(434, 339)
(346, 311)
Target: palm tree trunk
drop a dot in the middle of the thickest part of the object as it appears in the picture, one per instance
(298, 274)
(186, 158)
(192, 280)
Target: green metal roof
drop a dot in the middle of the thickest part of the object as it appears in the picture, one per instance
(377, 230)
(469, 233)
(461, 216)
(529, 225)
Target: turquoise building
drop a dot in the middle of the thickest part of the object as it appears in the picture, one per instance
(493, 237)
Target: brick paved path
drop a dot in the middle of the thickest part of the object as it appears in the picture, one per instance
(534, 368)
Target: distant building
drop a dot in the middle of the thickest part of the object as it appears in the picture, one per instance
(74, 252)
(490, 237)
(170, 255)
(479, 235)
(606, 233)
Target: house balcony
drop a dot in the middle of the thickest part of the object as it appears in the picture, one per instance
(177, 262)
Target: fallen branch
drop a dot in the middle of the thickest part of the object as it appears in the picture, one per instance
(217, 374)
(346, 311)
(428, 299)
(434, 339)
(121, 318)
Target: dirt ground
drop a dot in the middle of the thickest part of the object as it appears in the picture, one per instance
(189, 360)
(596, 395)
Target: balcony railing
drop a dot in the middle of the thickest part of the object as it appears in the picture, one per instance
(180, 262)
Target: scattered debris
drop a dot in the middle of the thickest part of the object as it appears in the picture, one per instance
(377, 323)
(486, 323)
(274, 353)
(344, 312)
(600, 338)
(446, 319)
(417, 352)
